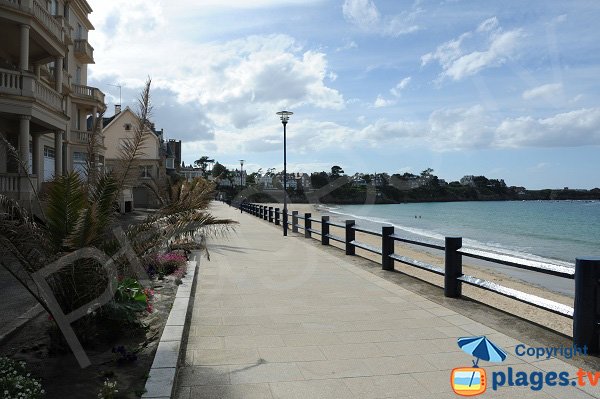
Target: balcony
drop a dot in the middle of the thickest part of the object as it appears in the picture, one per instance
(90, 94)
(83, 51)
(55, 26)
(15, 83)
(84, 137)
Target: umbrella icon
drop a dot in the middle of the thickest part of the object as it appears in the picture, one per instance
(481, 348)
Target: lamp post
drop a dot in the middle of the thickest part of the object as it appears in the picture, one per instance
(241, 172)
(285, 116)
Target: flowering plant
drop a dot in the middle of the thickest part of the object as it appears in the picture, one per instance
(170, 262)
(16, 382)
(108, 390)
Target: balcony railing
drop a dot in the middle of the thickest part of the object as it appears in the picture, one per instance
(88, 92)
(16, 186)
(25, 85)
(83, 51)
(33, 7)
(84, 137)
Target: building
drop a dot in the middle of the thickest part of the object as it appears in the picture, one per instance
(190, 173)
(118, 130)
(44, 98)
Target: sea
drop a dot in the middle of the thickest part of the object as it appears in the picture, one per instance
(554, 232)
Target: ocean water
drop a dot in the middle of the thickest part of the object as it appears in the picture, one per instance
(551, 231)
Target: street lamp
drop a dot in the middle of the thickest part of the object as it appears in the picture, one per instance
(285, 116)
(241, 172)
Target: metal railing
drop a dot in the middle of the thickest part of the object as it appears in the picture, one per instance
(585, 312)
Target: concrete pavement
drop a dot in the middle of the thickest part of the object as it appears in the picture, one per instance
(277, 317)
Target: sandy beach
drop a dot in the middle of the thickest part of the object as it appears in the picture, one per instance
(528, 312)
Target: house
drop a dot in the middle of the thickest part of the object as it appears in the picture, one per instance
(120, 129)
(44, 98)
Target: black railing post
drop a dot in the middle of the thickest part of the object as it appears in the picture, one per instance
(255, 209)
(260, 211)
(585, 310)
(453, 269)
(387, 247)
(265, 213)
(270, 214)
(307, 225)
(276, 216)
(324, 230)
(350, 236)
(294, 221)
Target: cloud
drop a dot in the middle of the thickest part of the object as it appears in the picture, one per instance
(234, 81)
(491, 46)
(366, 16)
(381, 102)
(488, 25)
(362, 13)
(347, 46)
(452, 129)
(568, 129)
(400, 86)
(547, 91)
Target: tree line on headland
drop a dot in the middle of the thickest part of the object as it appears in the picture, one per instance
(336, 187)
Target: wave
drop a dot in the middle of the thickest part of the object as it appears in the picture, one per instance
(433, 237)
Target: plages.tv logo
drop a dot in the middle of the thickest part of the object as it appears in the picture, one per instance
(471, 381)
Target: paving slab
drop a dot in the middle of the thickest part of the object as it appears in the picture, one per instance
(280, 317)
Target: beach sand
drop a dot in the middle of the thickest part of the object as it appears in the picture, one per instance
(544, 318)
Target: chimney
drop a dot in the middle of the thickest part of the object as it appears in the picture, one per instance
(117, 109)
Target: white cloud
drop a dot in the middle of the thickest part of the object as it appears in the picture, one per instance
(396, 90)
(234, 81)
(366, 16)
(381, 102)
(547, 91)
(568, 129)
(347, 46)
(362, 13)
(489, 24)
(458, 63)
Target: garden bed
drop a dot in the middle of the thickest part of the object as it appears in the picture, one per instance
(60, 373)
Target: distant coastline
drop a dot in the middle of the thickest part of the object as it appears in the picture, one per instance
(391, 195)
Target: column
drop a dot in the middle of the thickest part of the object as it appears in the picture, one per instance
(24, 141)
(38, 71)
(94, 117)
(24, 59)
(58, 73)
(58, 151)
(37, 162)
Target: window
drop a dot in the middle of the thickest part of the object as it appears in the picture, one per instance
(127, 126)
(78, 75)
(79, 163)
(78, 120)
(79, 31)
(170, 164)
(49, 152)
(146, 171)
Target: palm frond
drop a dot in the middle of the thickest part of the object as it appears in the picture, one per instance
(65, 202)
(133, 149)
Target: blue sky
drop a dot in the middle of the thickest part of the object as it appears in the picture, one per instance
(505, 89)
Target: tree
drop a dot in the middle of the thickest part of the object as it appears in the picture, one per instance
(318, 180)
(219, 171)
(202, 163)
(336, 172)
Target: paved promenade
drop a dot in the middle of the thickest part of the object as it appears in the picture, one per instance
(279, 317)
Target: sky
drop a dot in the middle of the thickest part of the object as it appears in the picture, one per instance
(504, 89)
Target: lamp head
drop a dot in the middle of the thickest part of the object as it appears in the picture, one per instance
(284, 115)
